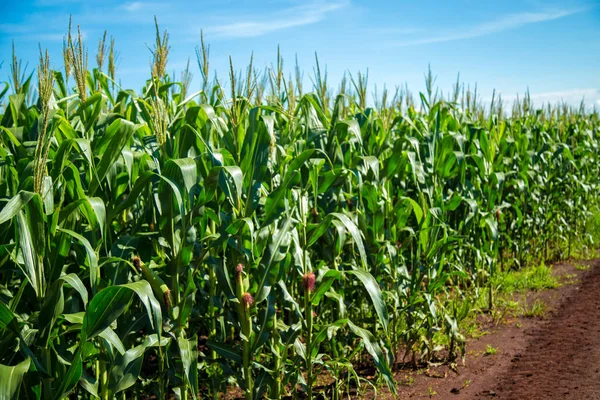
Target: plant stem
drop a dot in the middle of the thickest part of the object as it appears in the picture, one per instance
(247, 329)
(309, 320)
(103, 376)
(276, 388)
(213, 326)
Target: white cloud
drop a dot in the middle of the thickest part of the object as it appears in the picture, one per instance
(291, 17)
(33, 35)
(48, 37)
(134, 6)
(508, 22)
(393, 31)
(573, 97)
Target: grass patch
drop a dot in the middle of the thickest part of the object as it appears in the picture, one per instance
(472, 329)
(407, 381)
(532, 278)
(490, 350)
(431, 392)
(581, 267)
(535, 310)
(569, 279)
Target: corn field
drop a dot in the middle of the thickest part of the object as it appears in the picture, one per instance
(261, 240)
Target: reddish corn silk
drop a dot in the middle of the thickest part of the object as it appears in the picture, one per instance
(247, 300)
(309, 280)
(238, 270)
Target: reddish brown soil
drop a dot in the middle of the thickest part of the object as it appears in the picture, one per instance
(555, 357)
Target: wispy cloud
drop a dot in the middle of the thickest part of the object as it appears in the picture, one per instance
(572, 97)
(288, 18)
(508, 22)
(134, 6)
(393, 31)
(31, 33)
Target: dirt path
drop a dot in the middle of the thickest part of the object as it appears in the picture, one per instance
(557, 357)
(562, 357)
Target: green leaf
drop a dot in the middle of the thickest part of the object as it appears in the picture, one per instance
(324, 286)
(184, 172)
(349, 226)
(226, 176)
(91, 257)
(52, 307)
(111, 337)
(375, 351)
(63, 152)
(490, 221)
(70, 379)
(11, 378)
(28, 209)
(106, 306)
(90, 384)
(91, 109)
(326, 331)
(375, 293)
(188, 349)
(225, 351)
(276, 251)
(95, 212)
(109, 303)
(8, 320)
(140, 184)
(30, 258)
(144, 292)
(126, 369)
(7, 317)
(119, 132)
(266, 323)
(416, 209)
(75, 282)
(274, 205)
(15, 204)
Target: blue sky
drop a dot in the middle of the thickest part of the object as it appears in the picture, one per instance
(550, 47)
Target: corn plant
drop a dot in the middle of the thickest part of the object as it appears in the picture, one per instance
(258, 239)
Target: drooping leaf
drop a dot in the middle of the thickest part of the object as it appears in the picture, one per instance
(118, 134)
(225, 351)
(375, 351)
(374, 291)
(126, 369)
(188, 350)
(91, 257)
(11, 378)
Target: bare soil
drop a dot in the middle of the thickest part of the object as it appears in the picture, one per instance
(556, 356)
